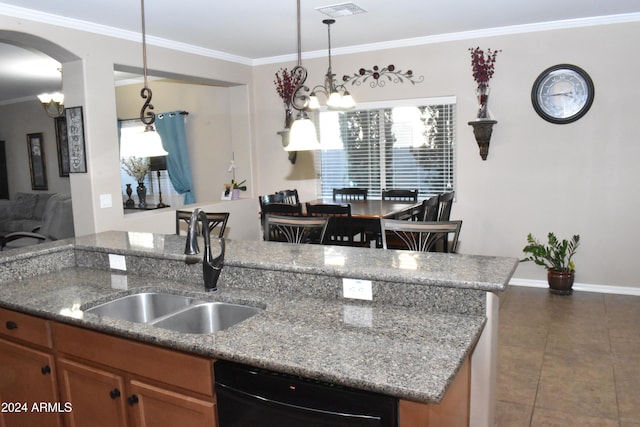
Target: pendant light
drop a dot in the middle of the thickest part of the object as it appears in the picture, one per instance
(338, 97)
(302, 136)
(146, 143)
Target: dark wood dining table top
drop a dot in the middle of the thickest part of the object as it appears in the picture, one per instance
(371, 208)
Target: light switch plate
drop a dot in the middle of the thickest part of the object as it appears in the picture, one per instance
(117, 262)
(105, 201)
(357, 289)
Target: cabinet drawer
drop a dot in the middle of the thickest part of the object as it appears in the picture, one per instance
(167, 366)
(24, 327)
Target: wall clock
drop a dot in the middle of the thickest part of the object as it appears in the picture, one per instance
(562, 93)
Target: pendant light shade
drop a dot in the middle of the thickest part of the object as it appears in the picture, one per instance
(302, 136)
(136, 143)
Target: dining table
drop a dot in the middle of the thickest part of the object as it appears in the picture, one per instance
(366, 215)
(372, 209)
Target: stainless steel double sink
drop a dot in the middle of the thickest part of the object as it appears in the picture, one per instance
(175, 312)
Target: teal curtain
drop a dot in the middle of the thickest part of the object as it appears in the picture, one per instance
(171, 128)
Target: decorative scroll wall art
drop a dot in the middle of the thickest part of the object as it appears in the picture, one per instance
(75, 138)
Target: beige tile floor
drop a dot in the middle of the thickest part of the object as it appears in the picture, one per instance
(568, 360)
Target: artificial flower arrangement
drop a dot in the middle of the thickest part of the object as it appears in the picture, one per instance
(286, 83)
(136, 167)
(483, 64)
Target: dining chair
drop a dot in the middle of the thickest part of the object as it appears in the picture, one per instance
(339, 229)
(428, 236)
(291, 229)
(216, 219)
(429, 209)
(445, 201)
(290, 196)
(350, 193)
(401, 194)
(267, 199)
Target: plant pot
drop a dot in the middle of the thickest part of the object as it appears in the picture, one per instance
(560, 283)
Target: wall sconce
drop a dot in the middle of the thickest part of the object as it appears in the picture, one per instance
(482, 129)
(53, 103)
(338, 97)
(302, 136)
(148, 142)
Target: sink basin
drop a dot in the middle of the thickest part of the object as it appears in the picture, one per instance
(141, 308)
(175, 312)
(207, 317)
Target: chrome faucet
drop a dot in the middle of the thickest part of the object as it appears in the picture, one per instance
(211, 267)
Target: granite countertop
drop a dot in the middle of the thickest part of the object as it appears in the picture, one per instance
(407, 352)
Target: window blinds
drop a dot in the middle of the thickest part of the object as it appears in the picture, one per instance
(401, 146)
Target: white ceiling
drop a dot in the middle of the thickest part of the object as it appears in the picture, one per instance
(260, 31)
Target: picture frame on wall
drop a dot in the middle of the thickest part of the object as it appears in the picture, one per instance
(63, 145)
(75, 140)
(37, 165)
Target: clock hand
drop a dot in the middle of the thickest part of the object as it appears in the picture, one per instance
(570, 94)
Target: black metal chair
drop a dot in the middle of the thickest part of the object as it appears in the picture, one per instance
(290, 196)
(339, 230)
(400, 194)
(350, 193)
(429, 209)
(438, 236)
(267, 199)
(446, 201)
(215, 219)
(291, 229)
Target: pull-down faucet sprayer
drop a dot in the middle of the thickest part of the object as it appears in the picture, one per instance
(211, 267)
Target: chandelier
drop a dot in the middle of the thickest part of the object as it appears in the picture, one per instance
(338, 98)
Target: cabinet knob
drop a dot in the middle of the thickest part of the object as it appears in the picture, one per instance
(115, 393)
(46, 369)
(133, 399)
(11, 325)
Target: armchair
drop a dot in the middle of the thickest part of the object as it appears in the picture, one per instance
(57, 223)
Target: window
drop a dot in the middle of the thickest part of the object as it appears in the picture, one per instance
(408, 144)
(169, 194)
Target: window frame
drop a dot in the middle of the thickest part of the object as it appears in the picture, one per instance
(448, 152)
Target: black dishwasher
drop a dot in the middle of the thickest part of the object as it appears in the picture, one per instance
(250, 397)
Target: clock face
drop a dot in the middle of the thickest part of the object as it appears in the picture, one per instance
(562, 94)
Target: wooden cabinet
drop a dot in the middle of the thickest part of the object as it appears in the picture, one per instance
(28, 387)
(452, 411)
(112, 381)
(97, 396)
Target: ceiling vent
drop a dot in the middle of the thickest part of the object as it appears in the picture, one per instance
(342, 9)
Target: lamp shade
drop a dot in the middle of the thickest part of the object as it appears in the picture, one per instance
(137, 143)
(303, 136)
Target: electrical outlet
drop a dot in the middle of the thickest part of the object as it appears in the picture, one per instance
(117, 262)
(357, 289)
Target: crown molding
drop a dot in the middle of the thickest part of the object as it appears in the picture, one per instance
(464, 35)
(104, 30)
(76, 24)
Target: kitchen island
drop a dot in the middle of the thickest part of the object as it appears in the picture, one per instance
(428, 314)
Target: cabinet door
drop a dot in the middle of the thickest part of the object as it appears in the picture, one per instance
(28, 389)
(97, 396)
(155, 406)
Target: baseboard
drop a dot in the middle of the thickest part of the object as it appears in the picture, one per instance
(586, 287)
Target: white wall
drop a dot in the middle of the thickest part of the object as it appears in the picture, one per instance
(579, 178)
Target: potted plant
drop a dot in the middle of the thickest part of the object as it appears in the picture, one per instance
(555, 256)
